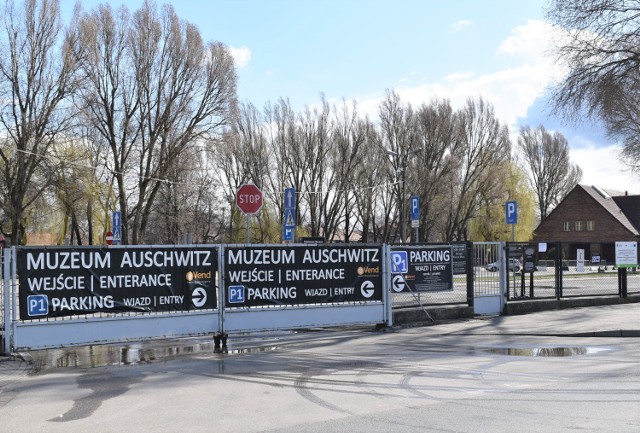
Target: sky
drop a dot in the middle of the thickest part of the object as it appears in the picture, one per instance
(422, 49)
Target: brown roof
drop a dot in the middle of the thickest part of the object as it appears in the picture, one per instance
(609, 201)
(630, 206)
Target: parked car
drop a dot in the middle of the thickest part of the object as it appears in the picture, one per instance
(514, 266)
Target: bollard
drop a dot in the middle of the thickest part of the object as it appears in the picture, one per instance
(220, 343)
(216, 344)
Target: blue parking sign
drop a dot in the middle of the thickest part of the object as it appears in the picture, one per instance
(399, 262)
(37, 305)
(236, 294)
(511, 210)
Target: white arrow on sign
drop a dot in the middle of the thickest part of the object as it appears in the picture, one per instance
(199, 297)
(367, 289)
(398, 283)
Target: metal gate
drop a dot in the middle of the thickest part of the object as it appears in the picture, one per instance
(64, 296)
(490, 271)
(61, 308)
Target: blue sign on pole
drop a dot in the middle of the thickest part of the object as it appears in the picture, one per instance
(116, 227)
(511, 210)
(287, 234)
(415, 207)
(289, 198)
(289, 217)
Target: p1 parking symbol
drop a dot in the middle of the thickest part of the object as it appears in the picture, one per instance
(399, 262)
(236, 294)
(37, 305)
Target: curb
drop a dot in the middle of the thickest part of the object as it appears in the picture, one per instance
(415, 316)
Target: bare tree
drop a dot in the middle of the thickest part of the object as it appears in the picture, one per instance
(242, 157)
(551, 173)
(286, 154)
(36, 77)
(370, 179)
(438, 134)
(485, 147)
(602, 51)
(399, 142)
(316, 147)
(152, 90)
(349, 137)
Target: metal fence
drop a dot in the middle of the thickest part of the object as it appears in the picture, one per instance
(462, 282)
(553, 277)
(557, 276)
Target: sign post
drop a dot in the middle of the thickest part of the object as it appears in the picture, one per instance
(249, 200)
(511, 210)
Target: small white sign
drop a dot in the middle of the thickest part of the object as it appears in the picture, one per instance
(580, 260)
(626, 254)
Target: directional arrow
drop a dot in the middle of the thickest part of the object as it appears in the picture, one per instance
(289, 198)
(398, 284)
(367, 289)
(199, 297)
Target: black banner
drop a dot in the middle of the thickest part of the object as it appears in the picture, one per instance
(421, 269)
(459, 251)
(63, 281)
(295, 275)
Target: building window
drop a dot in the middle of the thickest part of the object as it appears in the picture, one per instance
(578, 226)
(567, 226)
(589, 226)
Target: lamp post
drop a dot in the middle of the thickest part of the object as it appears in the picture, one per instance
(404, 160)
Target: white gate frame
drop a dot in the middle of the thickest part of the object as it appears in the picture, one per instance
(490, 298)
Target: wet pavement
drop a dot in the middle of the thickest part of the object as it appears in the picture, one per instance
(602, 321)
(549, 371)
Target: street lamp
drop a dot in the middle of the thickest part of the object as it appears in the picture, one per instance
(404, 160)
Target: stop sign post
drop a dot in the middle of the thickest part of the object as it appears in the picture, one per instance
(249, 200)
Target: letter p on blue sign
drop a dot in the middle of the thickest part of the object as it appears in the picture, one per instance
(512, 212)
(236, 294)
(37, 305)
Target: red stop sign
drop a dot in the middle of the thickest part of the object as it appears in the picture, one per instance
(109, 238)
(249, 199)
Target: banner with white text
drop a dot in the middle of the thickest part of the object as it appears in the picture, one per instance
(421, 268)
(296, 275)
(63, 281)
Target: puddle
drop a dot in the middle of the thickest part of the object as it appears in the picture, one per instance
(547, 351)
(135, 353)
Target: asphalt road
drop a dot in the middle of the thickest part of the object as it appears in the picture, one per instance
(503, 374)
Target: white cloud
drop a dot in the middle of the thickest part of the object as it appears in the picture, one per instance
(601, 166)
(459, 25)
(241, 56)
(512, 91)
